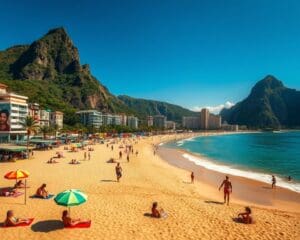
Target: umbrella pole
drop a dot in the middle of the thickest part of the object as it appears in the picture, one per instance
(25, 190)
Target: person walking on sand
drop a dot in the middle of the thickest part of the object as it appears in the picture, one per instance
(120, 155)
(273, 181)
(112, 147)
(89, 156)
(192, 177)
(227, 189)
(128, 157)
(119, 172)
(84, 156)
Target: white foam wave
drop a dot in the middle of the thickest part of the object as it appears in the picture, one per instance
(241, 173)
(161, 144)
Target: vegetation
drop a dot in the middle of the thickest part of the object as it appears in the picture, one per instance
(31, 126)
(269, 105)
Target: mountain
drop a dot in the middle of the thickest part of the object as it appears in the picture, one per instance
(151, 107)
(49, 72)
(269, 105)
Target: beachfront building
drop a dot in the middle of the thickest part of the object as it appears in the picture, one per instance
(160, 121)
(150, 121)
(116, 120)
(34, 112)
(171, 125)
(107, 119)
(214, 122)
(91, 118)
(123, 119)
(204, 119)
(230, 127)
(191, 122)
(44, 117)
(57, 118)
(13, 111)
(132, 122)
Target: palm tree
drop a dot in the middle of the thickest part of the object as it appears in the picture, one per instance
(30, 125)
(44, 130)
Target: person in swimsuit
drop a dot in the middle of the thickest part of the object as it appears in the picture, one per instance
(13, 221)
(157, 213)
(41, 191)
(227, 189)
(69, 222)
(120, 155)
(273, 181)
(245, 217)
(19, 184)
(118, 171)
(192, 177)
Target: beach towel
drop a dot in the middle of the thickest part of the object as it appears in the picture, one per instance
(30, 220)
(49, 197)
(81, 225)
(16, 194)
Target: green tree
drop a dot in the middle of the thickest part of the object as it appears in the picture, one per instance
(44, 130)
(31, 126)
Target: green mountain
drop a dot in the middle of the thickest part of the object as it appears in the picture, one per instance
(150, 107)
(269, 105)
(49, 72)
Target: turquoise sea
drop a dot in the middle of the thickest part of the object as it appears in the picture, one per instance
(252, 155)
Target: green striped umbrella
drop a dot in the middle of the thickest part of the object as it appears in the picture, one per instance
(69, 198)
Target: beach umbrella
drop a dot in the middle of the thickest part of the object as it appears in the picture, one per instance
(18, 174)
(69, 198)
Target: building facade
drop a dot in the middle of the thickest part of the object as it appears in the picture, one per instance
(132, 122)
(44, 118)
(214, 122)
(90, 118)
(34, 111)
(191, 122)
(204, 119)
(160, 121)
(57, 118)
(13, 111)
(150, 121)
(171, 125)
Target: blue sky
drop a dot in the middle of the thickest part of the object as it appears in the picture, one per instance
(189, 52)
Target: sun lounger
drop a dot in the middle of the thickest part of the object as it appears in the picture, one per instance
(81, 225)
(30, 220)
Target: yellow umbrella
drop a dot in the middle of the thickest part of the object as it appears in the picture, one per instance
(19, 174)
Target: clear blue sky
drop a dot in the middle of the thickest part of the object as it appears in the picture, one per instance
(188, 52)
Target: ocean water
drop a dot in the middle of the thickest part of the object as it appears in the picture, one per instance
(253, 155)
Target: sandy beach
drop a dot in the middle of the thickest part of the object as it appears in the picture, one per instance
(117, 209)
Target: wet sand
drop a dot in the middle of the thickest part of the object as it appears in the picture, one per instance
(244, 189)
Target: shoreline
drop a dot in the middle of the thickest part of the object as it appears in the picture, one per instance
(245, 190)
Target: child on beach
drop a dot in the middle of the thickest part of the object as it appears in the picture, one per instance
(157, 213)
(245, 217)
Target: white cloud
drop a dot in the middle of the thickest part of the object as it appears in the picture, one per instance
(215, 109)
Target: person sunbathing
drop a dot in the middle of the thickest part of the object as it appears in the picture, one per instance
(69, 222)
(245, 217)
(74, 161)
(157, 213)
(11, 220)
(41, 191)
(19, 184)
(51, 160)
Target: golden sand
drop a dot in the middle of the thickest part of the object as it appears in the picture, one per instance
(117, 209)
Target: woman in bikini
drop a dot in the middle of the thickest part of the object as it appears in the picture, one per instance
(69, 222)
(11, 220)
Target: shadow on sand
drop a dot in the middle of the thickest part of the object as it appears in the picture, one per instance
(214, 202)
(148, 215)
(108, 180)
(47, 226)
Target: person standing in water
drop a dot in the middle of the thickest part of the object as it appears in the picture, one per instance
(273, 181)
(227, 189)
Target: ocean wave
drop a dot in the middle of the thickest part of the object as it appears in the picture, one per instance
(241, 173)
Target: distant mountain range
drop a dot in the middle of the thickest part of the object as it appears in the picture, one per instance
(49, 72)
(269, 105)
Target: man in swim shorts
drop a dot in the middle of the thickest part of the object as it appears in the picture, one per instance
(227, 189)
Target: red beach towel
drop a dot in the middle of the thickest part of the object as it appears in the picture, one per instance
(81, 225)
(30, 220)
